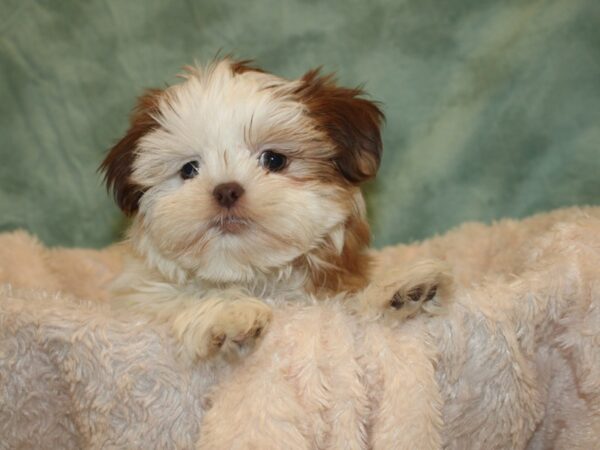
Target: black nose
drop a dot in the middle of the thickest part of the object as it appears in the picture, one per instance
(227, 194)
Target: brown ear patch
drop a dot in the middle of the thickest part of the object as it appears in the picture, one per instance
(349, 120)
(118, 164)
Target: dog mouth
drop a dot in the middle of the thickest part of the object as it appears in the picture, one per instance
(230, 224)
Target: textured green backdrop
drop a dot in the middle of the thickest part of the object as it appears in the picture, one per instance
(493, 106)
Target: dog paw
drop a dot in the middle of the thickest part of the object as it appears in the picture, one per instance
(423, 287)
(404, 291)
(238, 327)
(229, 328)
(414, 299)
(422, 293)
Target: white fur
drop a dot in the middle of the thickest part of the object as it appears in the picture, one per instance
(224, 121)
(181, 264)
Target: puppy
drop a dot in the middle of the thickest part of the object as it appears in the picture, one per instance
(244, 190)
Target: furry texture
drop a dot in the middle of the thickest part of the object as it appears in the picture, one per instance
(513, 362)
(219, 233)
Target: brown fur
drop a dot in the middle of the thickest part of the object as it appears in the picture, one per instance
(348, 271)
(118, 164)
(320, 246)
(350, 121)
(243, 66)
(352, 124)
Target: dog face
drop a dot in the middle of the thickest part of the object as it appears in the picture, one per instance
(236, 172)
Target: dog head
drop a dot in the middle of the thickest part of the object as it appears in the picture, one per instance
(235, 171)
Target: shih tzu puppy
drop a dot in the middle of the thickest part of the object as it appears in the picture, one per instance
(244, 193)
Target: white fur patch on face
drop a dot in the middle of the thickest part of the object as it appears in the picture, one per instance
(224, 121)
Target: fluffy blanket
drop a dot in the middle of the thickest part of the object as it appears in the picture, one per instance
(513, 362)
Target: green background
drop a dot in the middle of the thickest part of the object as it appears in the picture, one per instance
(493, 107)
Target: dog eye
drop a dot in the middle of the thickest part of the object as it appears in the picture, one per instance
(189, 170)
(273, 162)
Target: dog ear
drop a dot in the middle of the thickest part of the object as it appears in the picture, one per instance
(352, 122)
(118, 164)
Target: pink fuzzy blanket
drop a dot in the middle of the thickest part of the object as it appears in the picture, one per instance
(514, 361)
